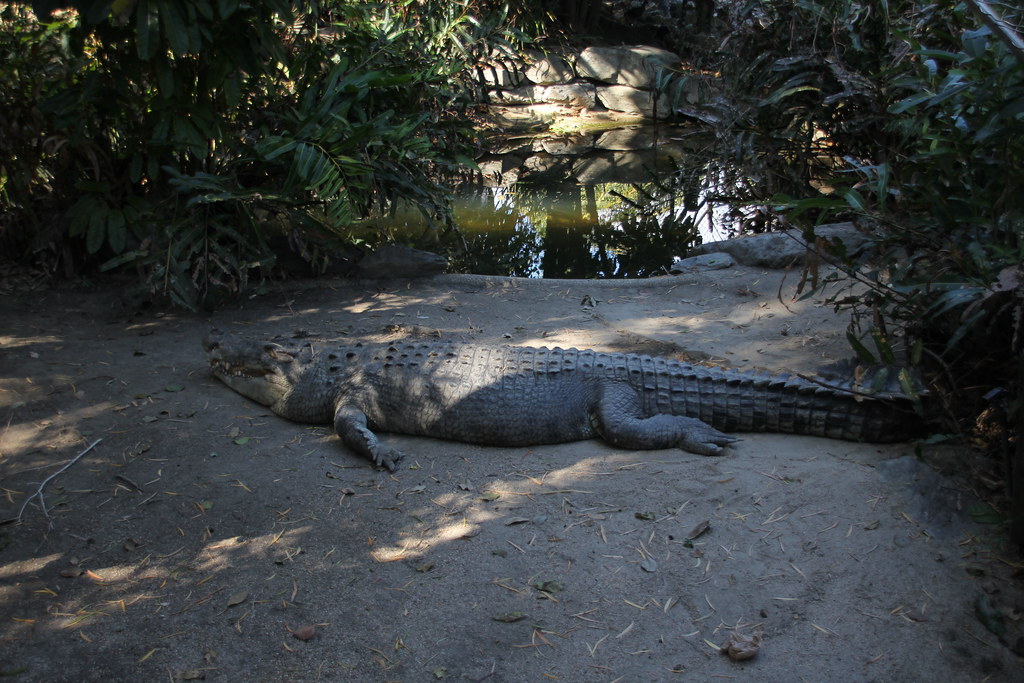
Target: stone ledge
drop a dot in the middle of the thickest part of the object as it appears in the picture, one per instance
(564, 119)
(619, 79)
(782, 249)
(636, 66)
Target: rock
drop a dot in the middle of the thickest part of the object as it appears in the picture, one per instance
(396, 260)
(547, 167)
(511, 146)
(498, 171)
(628, 139)
(580, 95)
(526, 117)
(524, 94)
(716, 261)
(549, 70)
(782, 249)
(635, 66)
(632, 101)
(570, 145)
(583, 95)
(615, 167)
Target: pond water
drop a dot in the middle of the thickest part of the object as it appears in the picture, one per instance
(611, 204)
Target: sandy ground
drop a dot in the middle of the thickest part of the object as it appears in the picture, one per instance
(203, 538)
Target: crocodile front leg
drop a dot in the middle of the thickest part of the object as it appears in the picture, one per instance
(350, 424)
(621, 423)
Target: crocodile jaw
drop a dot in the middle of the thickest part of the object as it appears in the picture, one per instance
(256, 371)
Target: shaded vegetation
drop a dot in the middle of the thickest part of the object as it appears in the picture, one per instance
(908, 118)
(191, 140)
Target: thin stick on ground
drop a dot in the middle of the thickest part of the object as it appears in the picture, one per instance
(39, 491)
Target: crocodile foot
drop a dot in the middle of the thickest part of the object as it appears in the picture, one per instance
(703, 439)
(387, 458)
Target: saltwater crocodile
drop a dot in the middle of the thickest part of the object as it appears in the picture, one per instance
(520, 396)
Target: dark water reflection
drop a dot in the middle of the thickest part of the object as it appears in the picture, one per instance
(565, 232)
(588, 207)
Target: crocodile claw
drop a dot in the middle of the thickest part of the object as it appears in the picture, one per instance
(387, 458)
(706, 440)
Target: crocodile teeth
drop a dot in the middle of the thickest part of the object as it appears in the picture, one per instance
(234, 371)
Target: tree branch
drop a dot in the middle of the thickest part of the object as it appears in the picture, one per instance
(1003, 30)
(39, 491)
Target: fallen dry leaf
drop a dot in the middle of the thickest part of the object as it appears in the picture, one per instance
(698, 530)
(94, 576)
(548, 586)
(238, 598)
(509, 617)
(741, 647)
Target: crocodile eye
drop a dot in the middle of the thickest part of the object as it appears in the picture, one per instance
(278, 353)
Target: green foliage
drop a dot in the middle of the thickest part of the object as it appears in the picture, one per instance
(959, 235)
(909, 119)
(185, 138)
(32, 56)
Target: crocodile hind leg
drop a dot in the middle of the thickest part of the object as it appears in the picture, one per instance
(350, 424)
(621, 422)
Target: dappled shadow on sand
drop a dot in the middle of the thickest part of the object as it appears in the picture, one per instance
(203, 537)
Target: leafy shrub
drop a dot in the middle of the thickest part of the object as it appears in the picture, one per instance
(187, 138)
(909, 119)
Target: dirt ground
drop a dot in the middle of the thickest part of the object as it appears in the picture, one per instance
(202, 537)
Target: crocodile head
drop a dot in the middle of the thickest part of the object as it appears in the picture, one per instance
(258, 370)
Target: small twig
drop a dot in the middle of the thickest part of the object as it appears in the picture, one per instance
(39, 491)
(128, 481)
